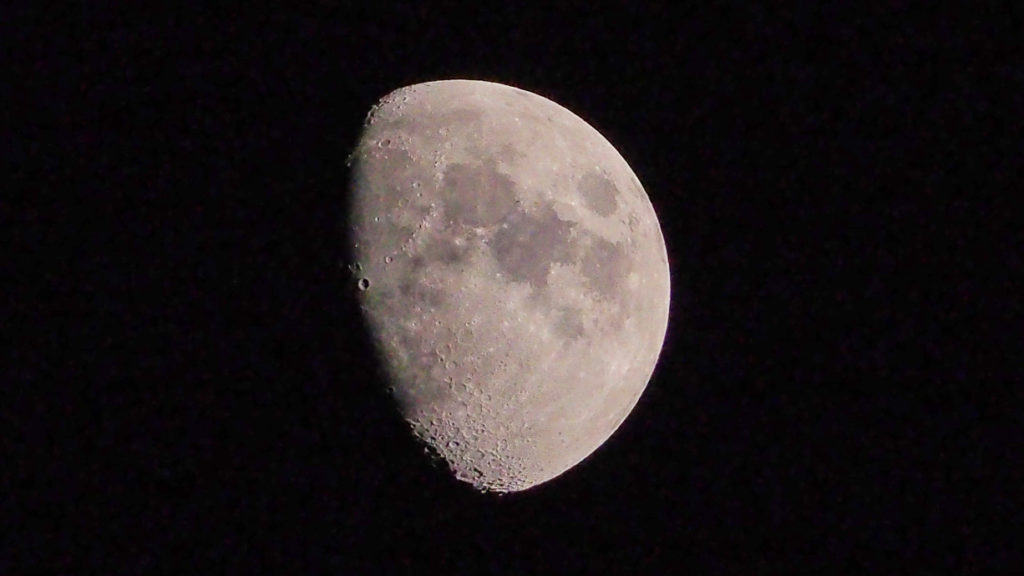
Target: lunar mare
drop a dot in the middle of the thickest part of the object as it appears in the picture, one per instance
(512, 273)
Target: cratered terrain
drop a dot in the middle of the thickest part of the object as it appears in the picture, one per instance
(512, 273)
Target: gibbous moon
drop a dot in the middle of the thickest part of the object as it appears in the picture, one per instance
(513, 275)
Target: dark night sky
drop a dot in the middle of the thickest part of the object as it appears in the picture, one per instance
(838, 391)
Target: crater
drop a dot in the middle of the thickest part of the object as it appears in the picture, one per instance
(599, 193)
(526, 245)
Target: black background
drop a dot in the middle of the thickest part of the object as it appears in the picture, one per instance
(190, 387)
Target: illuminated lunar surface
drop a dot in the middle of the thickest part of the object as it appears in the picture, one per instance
(513, 275)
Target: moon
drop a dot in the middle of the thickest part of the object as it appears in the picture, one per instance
(512, 273)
